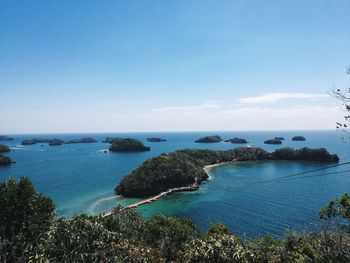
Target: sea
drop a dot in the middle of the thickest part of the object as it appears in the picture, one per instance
(246, 196)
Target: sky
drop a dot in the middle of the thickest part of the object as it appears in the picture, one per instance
(195, 65)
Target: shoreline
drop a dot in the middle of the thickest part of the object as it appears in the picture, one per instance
(209, 167)
(192, 187)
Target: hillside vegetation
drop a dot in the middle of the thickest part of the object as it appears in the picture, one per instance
(30, 232)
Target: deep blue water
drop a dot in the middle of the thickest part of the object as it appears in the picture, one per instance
(80, 178)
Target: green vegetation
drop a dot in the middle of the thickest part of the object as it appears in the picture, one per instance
(127, 145)
(30, 232)
(209, 139)
(185, 167)
(4, 148)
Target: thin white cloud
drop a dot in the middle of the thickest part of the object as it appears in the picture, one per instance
(276, 97)
(207, 105)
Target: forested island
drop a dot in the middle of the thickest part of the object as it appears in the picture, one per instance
(127, 145)
(185, 167)
(237, 140)
(155, 139)
(298, 138)
(56, 142)
(4, 148)
(6, 138)
(4, 160)
(273, 141)
(209, 139)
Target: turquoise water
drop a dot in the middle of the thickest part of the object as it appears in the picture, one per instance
(80, 178)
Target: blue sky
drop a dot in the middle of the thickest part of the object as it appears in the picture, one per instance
(111, 66)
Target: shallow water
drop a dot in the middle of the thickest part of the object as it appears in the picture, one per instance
(80, 178)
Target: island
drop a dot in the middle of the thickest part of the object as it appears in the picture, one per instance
(279, 138)
(6, 138)
(83, 140)
(5, 160)
(237, 140)
(298, 138)
(34, 141)
(111, 140)
(155, 139)
(273, 141)
(56, 142)
(128, 145)
(4, 148)
(185, 169)
(209, 139)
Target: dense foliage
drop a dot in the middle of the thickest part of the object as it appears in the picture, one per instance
(29, 232)
(127, 145)
(185, 167)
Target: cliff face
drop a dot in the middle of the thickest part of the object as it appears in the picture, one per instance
(185, 167)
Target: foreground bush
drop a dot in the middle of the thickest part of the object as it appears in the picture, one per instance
(30, 232)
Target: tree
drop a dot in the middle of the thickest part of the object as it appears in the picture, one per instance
(344, 97)
(25, 216)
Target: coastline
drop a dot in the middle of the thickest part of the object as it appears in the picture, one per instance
(192, 187)
(209, 167)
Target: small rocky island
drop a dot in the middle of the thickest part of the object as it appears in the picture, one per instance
(128, 145)
(4, 148)
(273, 141)
(184, 168)
(209, 139)
(155, 139)
(6, 138)
(298, 138)
(5, 160)
(279, 138)
(237, 140)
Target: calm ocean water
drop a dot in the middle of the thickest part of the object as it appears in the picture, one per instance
(80, 178)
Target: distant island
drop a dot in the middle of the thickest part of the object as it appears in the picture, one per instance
(4, 160)
(185, 168)
(111, 140)
(83, 140)
(209, 139)
(56, 142)
(128, 145)
(273, 141)
(5, 138)
(298, 138)
(4, 148)
(155, 139)
(279, 138)
(237, 140)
